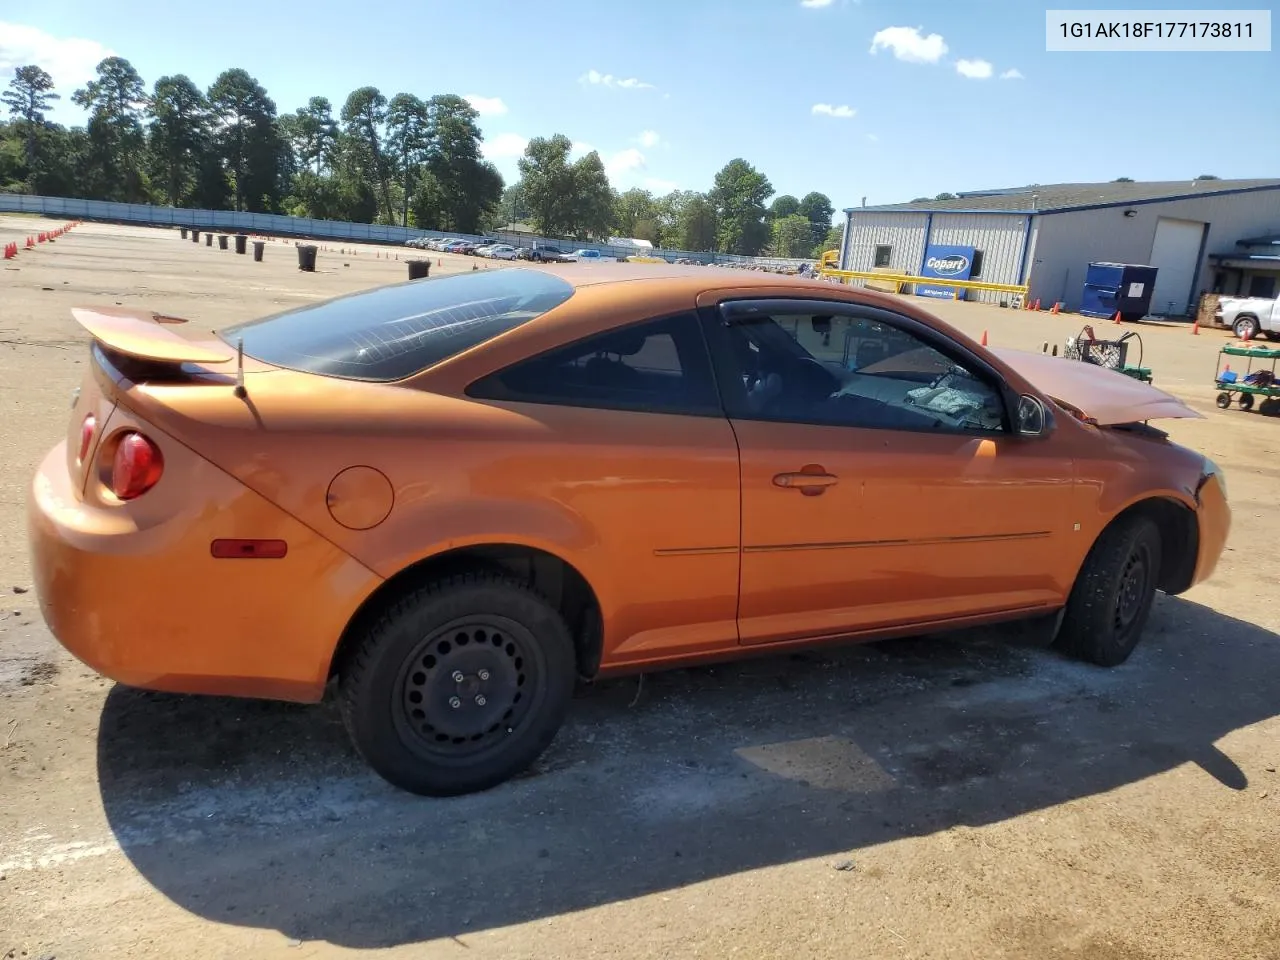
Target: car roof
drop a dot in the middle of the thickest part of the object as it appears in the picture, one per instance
(701, 278)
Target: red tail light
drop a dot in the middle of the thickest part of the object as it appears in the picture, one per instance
(137, 467)
(86, 437)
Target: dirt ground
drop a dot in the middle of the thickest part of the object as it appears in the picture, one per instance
(959, 797)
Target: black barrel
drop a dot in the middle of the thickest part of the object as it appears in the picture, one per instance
(222, 241)
(195, 236)
(241, 242)
(208, 239)
(307, 257)
(184, 233)
(258, 247)
(419, 269)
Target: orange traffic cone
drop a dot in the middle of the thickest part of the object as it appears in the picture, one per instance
(1248, 334)
(1116, 318)
(1054, 309)
(984, 338)
(1195, 328)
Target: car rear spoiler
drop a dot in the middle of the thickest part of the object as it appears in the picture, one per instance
(151, 336)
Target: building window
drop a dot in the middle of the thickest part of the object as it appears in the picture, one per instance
(976, 272)
(884, 253)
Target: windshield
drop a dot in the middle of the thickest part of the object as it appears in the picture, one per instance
(390, 333)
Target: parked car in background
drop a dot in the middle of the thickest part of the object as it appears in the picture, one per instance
(547, 253)
(627, 471)
(588, 256)
(1249, 316)
(501, 251)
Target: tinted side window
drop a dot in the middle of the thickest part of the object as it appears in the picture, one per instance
(857, 372)
(660, 366)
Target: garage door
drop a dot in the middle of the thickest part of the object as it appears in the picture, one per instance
(1176, 252)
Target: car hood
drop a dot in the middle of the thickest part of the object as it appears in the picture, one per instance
(1104, 396)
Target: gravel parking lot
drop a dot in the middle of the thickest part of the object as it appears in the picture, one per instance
(965, 796)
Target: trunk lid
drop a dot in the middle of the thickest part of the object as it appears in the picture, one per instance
(133, 347)
(1105, 396)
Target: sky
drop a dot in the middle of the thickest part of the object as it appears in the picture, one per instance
(882, 99)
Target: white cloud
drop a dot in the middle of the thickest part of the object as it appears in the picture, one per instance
(974, 69)
(504, 145)
(1013, 73)
(486, 106)
(873, 138)
(69, 60)
(596, 78)
(909, 44)
(660, 186)
(815, 4)
(826, 109)
(649, 139)
(580, 148)
(624, 162)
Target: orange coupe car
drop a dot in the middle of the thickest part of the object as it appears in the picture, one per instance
(455, 496)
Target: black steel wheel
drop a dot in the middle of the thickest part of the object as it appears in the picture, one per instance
(462, 689)
(458, 685)
(1224, 400)
(1245, 401)
(1112, 596)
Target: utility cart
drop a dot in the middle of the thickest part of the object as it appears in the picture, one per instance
(1112, 354)
(1242, 386)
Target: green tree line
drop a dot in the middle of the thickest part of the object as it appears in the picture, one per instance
(401, 160)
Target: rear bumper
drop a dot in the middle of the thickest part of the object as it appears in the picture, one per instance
(138, 597)
(1214, 518)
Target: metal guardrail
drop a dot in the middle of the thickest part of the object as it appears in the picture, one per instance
(829, 273)
(147, 214)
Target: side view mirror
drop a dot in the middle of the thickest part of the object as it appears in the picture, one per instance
(1033, 421)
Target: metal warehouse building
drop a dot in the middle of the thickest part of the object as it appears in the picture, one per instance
(1045, 236)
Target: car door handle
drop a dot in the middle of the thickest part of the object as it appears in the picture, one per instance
(809, 482)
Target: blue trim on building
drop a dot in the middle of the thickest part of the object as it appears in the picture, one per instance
(928, 235)
(1208, 194)
(1012, 213)
(1026, 250)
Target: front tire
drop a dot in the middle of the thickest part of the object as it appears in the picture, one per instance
(1246, 328)
(1112, 596)
(458, 686)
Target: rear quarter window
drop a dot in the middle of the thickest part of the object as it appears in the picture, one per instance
(394, 332)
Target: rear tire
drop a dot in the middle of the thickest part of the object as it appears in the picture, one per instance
(458, 686)
(1246, 328)
(1112, 596)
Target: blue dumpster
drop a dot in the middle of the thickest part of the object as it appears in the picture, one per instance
(1122, 287)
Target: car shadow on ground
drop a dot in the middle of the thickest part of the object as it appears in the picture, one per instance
(259, 814)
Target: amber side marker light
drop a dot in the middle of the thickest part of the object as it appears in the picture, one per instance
(248, 549)
(137, 466)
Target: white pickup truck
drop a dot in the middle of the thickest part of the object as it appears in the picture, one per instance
(1249, 316)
